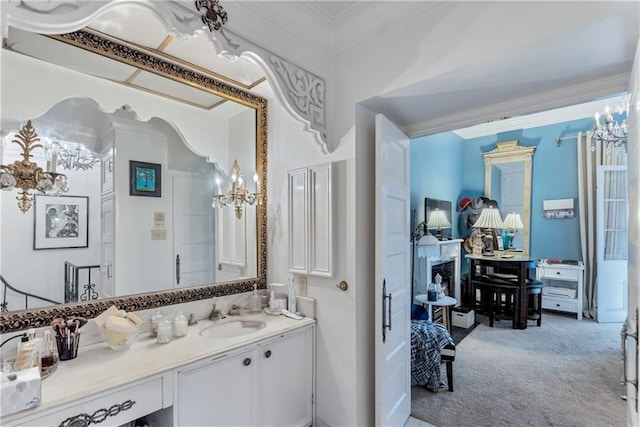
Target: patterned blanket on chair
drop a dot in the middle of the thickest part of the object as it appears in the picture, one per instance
(427, 340)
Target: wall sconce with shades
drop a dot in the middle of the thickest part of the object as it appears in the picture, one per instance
(438, 220)
(238, 195)
(27, 176)
(489, 220)
(512, 222)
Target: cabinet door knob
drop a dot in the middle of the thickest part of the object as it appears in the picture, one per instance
(267, 354)
(247, 361)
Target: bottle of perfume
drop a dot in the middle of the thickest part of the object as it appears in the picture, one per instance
(49, 357)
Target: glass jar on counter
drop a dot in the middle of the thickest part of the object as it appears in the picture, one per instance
(180, 325)
(164, 331)
(153, 323)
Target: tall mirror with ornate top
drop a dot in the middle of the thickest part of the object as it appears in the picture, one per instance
(507, 179)
(146, 127)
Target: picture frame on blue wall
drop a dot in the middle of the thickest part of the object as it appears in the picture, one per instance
(558, 209)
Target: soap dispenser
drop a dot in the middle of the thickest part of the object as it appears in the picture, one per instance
(255, 300)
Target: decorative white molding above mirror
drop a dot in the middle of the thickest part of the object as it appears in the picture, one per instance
(509, 157)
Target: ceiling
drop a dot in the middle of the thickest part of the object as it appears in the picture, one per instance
(600, 49)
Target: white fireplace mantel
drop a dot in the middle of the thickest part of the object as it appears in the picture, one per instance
(431, 252)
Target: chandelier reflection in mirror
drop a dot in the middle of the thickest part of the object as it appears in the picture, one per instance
(238, 195)
(608, 130)
(70, 155)
(27, 176)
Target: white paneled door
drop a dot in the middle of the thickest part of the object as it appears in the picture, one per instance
(393, 287)
(193, 243)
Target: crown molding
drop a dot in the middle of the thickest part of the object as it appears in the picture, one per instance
(530, 110)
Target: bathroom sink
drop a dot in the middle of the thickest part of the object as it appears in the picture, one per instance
(229, 328)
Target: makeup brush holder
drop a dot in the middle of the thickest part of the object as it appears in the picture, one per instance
(68, 345)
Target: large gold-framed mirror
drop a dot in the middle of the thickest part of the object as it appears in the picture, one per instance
(507, 179)
(158, 116)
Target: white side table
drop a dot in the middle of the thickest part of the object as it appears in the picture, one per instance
(444, 302)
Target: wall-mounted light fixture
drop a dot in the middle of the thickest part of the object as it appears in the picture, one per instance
(26, 175)
(238, 195)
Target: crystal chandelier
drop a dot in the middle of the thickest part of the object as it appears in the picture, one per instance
(70, 156)
(607, 129)
(238, 195)
(26, 175)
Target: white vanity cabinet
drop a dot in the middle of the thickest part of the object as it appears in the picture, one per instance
(286, 386)
(267, 384)
(219, 391)
(112, 408)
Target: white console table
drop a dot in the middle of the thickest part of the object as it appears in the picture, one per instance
(431, 252)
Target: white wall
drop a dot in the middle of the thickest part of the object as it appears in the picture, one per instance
(141, 264)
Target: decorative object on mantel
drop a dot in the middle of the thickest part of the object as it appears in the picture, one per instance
(215, 16)
(26, 175)
(512, 222)
(489, 220)
(238, 194)
(438, 220)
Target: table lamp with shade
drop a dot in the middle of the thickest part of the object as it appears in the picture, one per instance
(512, 222)
(438, 220)
(489, 220)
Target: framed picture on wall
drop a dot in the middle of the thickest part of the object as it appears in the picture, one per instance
(145, 179)
(60, 222)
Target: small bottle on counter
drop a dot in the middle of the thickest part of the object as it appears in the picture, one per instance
(180, 325)
(49, 358)
(164, 331)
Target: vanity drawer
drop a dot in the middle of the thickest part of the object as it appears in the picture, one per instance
(112, 408)
(560, 273)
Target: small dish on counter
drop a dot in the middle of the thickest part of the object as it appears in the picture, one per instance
(277, 312)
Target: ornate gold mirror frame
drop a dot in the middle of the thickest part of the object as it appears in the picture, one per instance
(41, 317)
(511, 152)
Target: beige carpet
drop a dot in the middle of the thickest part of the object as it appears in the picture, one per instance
(565, 373)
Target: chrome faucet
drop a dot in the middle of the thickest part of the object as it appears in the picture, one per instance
(216, 314)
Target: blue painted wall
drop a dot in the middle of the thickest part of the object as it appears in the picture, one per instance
(436, 172)
(444, 166)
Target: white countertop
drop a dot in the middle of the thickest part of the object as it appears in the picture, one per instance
(97, 368)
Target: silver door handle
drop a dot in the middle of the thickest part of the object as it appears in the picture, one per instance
(386, 310)
(177, 269)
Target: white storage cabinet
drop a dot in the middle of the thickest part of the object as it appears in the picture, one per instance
(563, 287)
